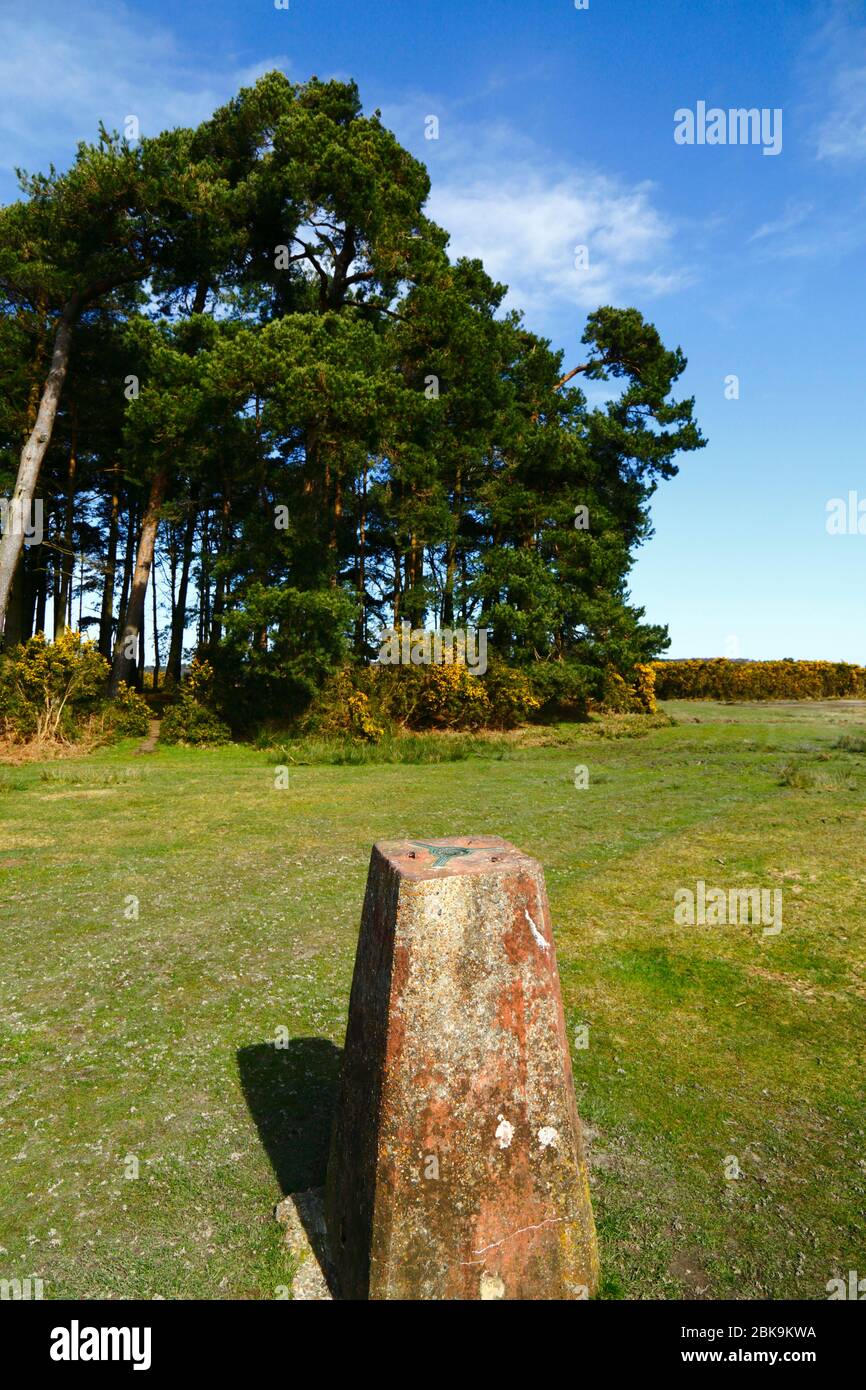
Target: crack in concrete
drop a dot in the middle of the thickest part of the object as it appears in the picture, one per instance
(553, 1221)
(545, 945)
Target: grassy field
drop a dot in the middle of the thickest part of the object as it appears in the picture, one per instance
(164, 916)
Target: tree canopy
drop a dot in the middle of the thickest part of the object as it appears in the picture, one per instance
(239, 363)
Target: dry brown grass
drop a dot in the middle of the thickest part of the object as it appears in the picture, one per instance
(16, 751)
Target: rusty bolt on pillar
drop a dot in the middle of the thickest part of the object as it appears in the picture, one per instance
(457, 1168)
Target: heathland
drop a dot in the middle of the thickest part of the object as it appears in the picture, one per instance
(168, 918)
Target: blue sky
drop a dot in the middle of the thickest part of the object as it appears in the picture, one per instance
(556, 129)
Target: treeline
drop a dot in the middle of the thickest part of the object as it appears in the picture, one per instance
(241, 357)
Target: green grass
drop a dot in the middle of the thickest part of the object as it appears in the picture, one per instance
(419, 748)
(152, 1036)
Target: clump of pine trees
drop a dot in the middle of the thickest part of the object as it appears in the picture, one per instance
(238, 366)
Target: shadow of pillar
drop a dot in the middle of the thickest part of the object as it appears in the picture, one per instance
(291, 1092)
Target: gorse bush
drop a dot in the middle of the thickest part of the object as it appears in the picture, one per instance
(635, 696)
(128, 714)
(510, 695)
(193, 723)
(434, 697)
(193, 719)
(565, 689)
(720, 679)
(367, 703)
(344, 709)
(55, 693)
(644, 687)
(47, 689)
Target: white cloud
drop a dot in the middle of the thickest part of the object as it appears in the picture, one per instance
(526, 225)
(793, 216)
(522, 211)
(834, 75)
(842, 134)
(63, 71)
(502, 198)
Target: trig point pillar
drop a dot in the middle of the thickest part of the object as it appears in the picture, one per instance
(457, 1169)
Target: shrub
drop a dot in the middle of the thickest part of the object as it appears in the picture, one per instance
(563, 689)
(191, 722)
(200, 682)
(368, 704)
(633, 696)
(128, 714)
(280, 681)
(47, 688)
(451, 698)
(644, 687)
(720, 679)
(193, 719)
(342, 709)
(616, 696)
(510, 695)
(444, 696)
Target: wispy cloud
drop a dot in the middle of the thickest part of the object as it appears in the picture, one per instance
(842, 134)
(521, 209)
(794, 215)
(63, 71)
(577, 239)
(835, 75)
(529, 214)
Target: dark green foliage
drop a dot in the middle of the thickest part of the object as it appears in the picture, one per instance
(127, 715)
(353, 431)
(565, 688)
(193, 723)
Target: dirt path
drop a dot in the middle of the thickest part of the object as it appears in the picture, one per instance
(148, 745)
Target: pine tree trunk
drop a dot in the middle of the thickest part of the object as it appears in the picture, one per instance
(106, 614)
(335, 515)
(126, 648)
(41, 590)
(15, 614)
(447, 616)
(415, 603)
(129, 554)
(219, 602)
(204, 579)
(155, 633)
(361, 625)
(33, 453)
(142, 638)
(62, 615)
(174, 663)
(55, 584)
(397, 595)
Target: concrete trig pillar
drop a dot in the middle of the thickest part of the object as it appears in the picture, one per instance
(457, 1168)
